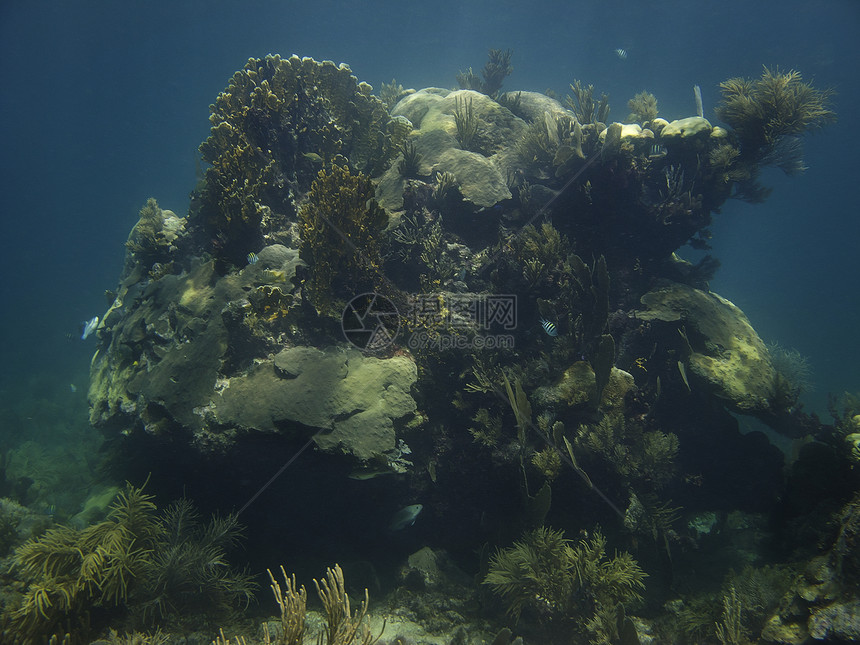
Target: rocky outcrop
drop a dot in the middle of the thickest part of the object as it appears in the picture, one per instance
(481, 168)
(219, 357)
(725, 355)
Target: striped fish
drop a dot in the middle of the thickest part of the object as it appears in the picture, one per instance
(549, 327)
(252, 258)
(621, 53)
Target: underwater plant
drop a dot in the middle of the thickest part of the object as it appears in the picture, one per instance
(792, 376)
(636, 456)
(137, 638)
(496, 70)
(536, 572)
(536, 148)
(643, 107)
(548, 462)
(446, 185)
(188, 575)
(135, 558)
(551, 145)
(69, 571)
(410, 165)
(583, 106)
(729, 631)
(466, 121)
(769, 113)
(340, 225)
(488, 428)
(544, 572)
(342, 626)
(390, 93)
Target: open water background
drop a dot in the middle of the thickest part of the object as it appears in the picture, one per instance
(103, 104)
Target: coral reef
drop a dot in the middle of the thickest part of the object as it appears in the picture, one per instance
(167, 564)
(272, 127)
(565, 584)
(553, 362)
(339, 225)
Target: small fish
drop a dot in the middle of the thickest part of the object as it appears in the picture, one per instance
(274, 275)
(405, 517)
(73, 387)
(657, 151)
(88, 327)
(621, 53)
(252, 258)
(549, 328)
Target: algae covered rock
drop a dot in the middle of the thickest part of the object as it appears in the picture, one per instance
(577, 388)
(726, 355)
(196, 354)
(693, 127)
(354, 399)
(276, 124)
(165, 342)
(479, 164)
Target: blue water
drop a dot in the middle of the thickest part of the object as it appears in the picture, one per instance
(103, 104)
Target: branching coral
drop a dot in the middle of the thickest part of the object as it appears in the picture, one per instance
(545, 572)
(292, 601)
(276, 122)
(768, 114)
(153, 238)
(133, 558)
(583, 105)
(340, 224)
(466, 121)
(643, 107)
(497, 68)
(342, 626)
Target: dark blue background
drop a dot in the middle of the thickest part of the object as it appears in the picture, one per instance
(103, 104)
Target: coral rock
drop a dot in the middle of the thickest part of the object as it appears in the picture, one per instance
(692, 127)
(728, 357)
(354, 399)
(480, 174)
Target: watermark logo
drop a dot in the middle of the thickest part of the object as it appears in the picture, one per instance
(463, 321)
(464, 311)
(440, 321)
(370, 322)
